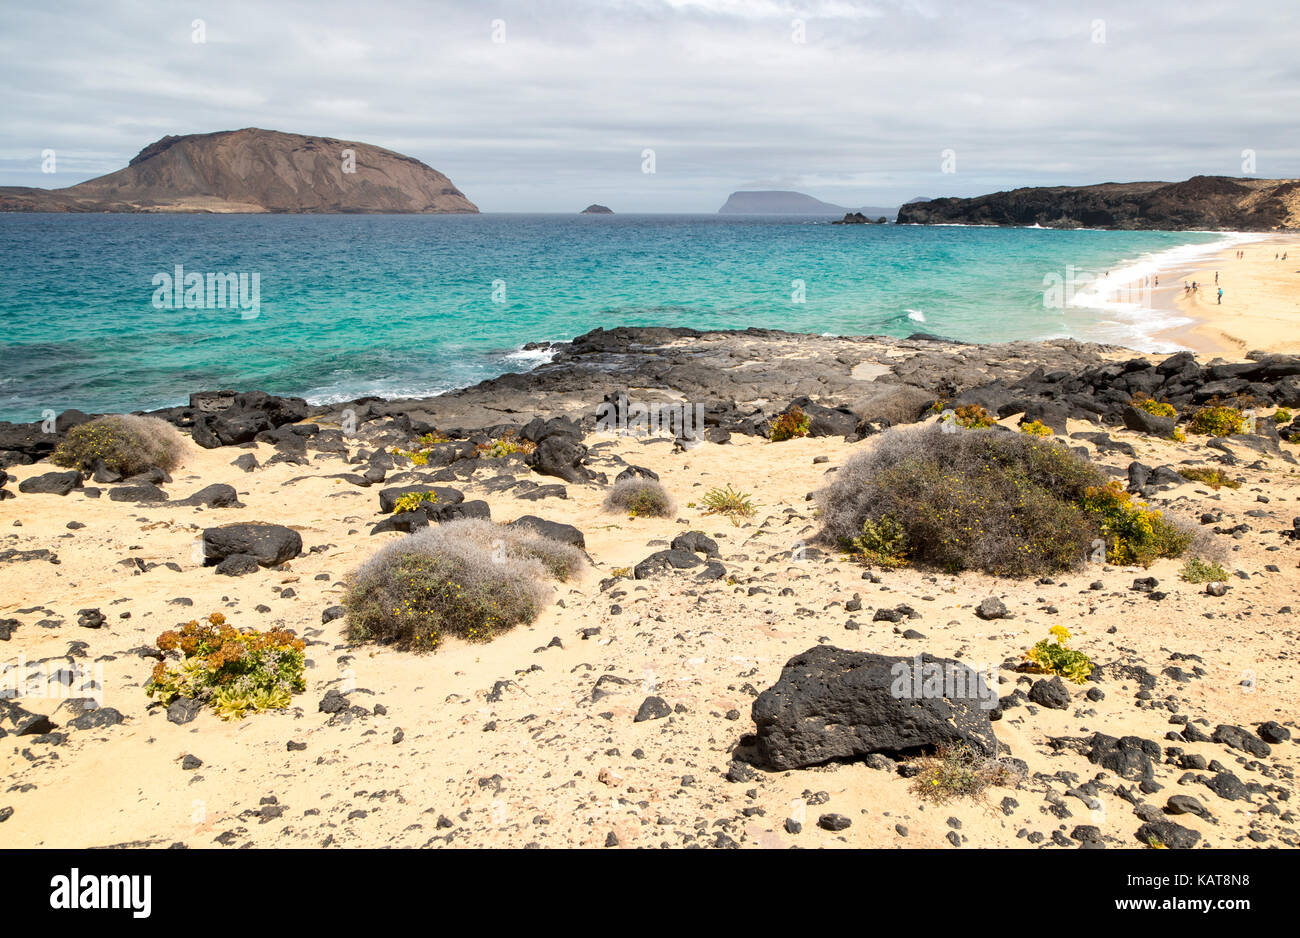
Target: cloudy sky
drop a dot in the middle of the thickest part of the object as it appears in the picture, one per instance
(548, 105)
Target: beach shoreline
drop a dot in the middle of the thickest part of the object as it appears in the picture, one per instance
(1261, 309)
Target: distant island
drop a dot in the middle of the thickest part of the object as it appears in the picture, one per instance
(595, 209)
(778, 202)
(1202, 202)
(255, 171)
(857, 218)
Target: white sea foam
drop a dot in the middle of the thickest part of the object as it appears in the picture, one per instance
(915, 315)
(1123, 295)
(532, 357)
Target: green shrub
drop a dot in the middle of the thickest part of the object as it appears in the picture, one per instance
(126, 443)
(234, 670)
(1214, 478)
(469, 578)
(729, 503)
(1218, 420)
(1005, 503)
(1009, 504)
(1197, 570)
(1035, 428)
(1134, 533)
(793, 423)
(640, 498)
(1055, 657)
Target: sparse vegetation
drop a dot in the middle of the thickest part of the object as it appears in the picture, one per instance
(236, 671)
(1035, 428)
(1005, 503)
(1282, 415)
(1196, 570)
(413, 500)
(126, 443)
(1214, 478)
(793, 423)
(640, 498)
(419, 453)
(960, 771)
(469, 578)
(1054, 656)
(973, 417)
(1217, 420)
(506, 444)
(1153, 407)
(729, 503)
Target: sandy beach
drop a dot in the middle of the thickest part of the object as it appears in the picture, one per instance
(532, 739)
(1261, 300)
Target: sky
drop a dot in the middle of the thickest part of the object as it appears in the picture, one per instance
(549, 105)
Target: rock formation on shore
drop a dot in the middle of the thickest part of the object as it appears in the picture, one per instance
(255, 171)
(1200, 203)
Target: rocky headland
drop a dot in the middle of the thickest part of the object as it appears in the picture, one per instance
(1200, 203)
(254, 171)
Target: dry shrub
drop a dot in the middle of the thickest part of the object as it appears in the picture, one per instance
(470, 578)
(127, 444)
(641, 497)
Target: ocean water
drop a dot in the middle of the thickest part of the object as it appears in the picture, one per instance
(416, 305)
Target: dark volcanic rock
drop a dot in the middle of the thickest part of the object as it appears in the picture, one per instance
(832, 704)
(270, 544)
(51, 483)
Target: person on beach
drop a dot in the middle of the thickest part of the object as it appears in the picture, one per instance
(1216, 278)
(1220, 296)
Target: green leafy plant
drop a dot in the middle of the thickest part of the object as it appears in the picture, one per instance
(729, 503)
(883, 543)
(1214, 478)
(1217, 420)
(236, 671)
(793, 423)
(1282, 415)
(1196, 570)
(413, 500)
(1054, 656)
(126, 443)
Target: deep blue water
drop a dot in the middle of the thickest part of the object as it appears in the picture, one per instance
(414, 305)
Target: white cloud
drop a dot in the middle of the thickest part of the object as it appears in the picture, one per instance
(557, 115)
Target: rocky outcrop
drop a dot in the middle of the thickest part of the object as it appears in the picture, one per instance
(255, 171)
(595, 209)
(1202, 202)
(835, 704)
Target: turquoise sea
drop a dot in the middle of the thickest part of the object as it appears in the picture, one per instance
(415, 305)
